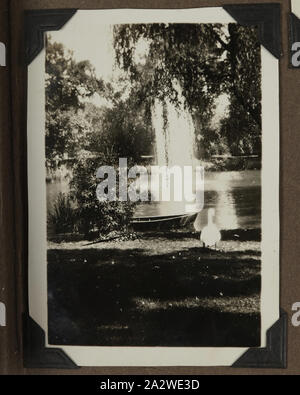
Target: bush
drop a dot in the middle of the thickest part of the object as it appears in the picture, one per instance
(95, 218)
(63, 218)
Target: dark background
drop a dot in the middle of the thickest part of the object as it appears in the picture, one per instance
(13, 191)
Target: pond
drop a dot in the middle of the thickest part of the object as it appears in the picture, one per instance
(235, 196)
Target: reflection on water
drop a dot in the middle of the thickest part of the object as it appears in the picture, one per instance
(236, 197)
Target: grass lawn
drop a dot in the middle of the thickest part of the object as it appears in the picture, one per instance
(157, 290)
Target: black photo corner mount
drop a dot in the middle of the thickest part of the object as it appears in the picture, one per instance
(294, 36)
(37, 22)
(36, 354)
(266, 17)
(274, 355)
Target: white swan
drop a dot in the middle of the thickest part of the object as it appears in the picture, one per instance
(210, 234)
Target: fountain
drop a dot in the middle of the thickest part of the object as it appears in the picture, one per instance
(175, 139)
(175, 135)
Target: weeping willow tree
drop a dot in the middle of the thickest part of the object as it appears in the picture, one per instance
(207, 60)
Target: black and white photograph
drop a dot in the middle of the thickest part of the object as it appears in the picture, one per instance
(153, 158)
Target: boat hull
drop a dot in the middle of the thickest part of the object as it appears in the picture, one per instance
(159, 223)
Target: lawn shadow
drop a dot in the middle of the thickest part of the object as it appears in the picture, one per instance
(96, 296)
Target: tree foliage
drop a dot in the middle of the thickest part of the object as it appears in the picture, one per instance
(242, 127)
(186, 53)
(207, 60)
(125, 130)
(96, 218)
(73, 124)
(68, 84)
(91, 136)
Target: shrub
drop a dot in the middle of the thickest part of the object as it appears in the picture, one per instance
(63, 217)
(97, 218)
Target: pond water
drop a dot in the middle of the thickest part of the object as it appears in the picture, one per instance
(235, 196)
